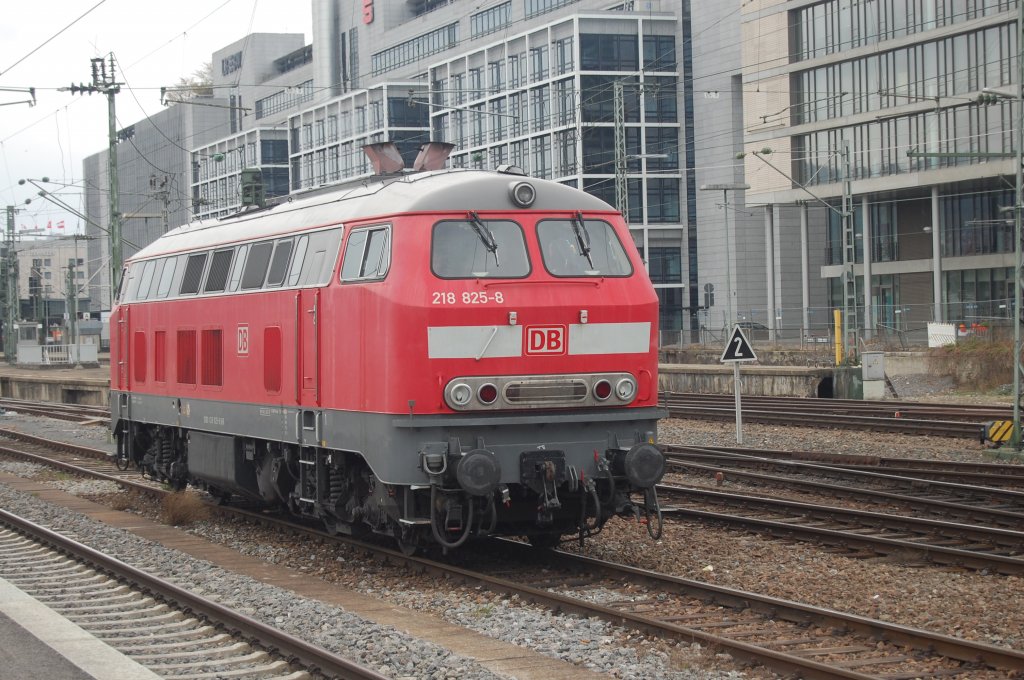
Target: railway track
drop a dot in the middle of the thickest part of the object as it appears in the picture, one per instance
(963, 421)
(854, 533)
(992, 506)
(167, 629)
(984, 474)
(785, 636)
(77, 413)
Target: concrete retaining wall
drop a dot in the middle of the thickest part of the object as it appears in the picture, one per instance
(768, 381)
(61, 390)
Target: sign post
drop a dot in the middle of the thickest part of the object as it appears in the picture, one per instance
(737, 351)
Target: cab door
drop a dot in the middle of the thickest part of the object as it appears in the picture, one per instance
(308, 360)
(121, 331)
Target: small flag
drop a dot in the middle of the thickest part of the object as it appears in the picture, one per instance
(60, 225)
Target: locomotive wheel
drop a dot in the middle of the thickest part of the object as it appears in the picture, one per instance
(406, 540)
(544, 541)
(330, 525)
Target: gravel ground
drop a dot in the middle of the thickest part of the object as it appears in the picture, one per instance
(964, 604)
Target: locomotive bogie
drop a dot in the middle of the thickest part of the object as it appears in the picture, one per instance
(397, 366)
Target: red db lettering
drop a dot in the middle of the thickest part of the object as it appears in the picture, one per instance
(545, 340)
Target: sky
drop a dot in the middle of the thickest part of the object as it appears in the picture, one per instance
(50, 45)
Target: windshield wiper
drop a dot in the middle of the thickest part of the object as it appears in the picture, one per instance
(485, 235)
(582, 237)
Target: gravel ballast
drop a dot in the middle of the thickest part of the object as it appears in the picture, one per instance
(966, 604)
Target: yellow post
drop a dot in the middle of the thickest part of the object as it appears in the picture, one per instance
(837, 316)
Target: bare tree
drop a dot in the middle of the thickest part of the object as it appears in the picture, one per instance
(199, 84)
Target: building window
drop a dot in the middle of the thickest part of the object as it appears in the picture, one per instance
(602, 52)
(565, 55)
(537, 7)
(539, 63)
(663, 201)
(284, 99)
(490, 20)
(659, 53)
(416, 49)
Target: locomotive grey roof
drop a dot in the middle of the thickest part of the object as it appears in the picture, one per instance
(455, 190)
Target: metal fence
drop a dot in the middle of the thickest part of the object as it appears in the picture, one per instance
(893, 327)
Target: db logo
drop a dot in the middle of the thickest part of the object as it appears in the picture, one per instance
(243, 340)
(545, 340)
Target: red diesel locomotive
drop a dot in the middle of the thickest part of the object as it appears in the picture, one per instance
(430, 355)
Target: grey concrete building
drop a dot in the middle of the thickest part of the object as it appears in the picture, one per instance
(264, 77)
(532, 83)
(154, 172)
(878, 101)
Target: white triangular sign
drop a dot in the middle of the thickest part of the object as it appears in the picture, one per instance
(738, 349)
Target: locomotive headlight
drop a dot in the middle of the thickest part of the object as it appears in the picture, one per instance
(523, 194)
(625, 389)
(460, 394)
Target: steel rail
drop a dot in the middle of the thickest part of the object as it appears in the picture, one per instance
(947, 428)
(996, 478)
(865, 461)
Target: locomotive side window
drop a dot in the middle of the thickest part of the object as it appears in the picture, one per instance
(130, 282)
(256, 265)
(475, 248)
(217, 278)
(158, 272)
(236, 269)
(367, 254)
(146, 280)
(193, 274)
(321, 255)
(300, 255)
(578, 247)
(279, 263)
(120, 286)
(164, 287)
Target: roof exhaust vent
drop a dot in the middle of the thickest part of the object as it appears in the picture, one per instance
(384, 157)
(432, 156)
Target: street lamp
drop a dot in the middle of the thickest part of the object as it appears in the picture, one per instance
(725, 189)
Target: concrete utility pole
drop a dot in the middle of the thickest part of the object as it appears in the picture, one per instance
(725, 189)
(106, 83)
(621, 162)
(11, 290)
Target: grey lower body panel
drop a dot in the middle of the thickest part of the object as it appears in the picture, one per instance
(392, 444)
